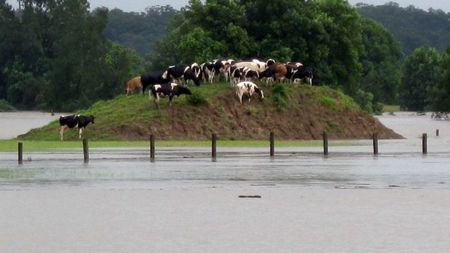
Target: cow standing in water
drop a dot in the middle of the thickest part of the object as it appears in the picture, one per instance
(72, 121)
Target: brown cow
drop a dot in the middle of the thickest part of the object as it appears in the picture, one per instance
(276, 72)
(133, 84)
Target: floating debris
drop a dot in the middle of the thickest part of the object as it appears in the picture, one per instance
(250, 196)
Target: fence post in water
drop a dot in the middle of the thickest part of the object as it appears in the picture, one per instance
(20, 152)
(375, 143)
(272, 144)
(213, 146)
(325, 143)
(437, 132)
(424, 144)
(85, 150)
(152, 148)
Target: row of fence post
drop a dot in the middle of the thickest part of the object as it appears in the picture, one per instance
(214, 146)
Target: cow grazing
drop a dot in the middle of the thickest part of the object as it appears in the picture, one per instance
(276, 72)
(168, 90)
(132, 85)
(249, 75)
(303, 73)
(71, 121)
(257, 67)
(152, 78)
(248, 88)
(181, 74)
(236, 75)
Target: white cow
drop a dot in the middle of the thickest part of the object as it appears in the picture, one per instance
(248, 88)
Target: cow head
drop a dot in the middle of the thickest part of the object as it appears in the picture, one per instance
(259, 92)
(180, 90)
(91, 119)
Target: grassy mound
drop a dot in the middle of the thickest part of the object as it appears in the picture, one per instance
(291, 111)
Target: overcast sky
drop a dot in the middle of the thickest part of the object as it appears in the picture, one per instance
(139, 5)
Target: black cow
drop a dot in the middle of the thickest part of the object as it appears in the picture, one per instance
(71, 121)
(152, 78)
(168, 90)
(303, 73)
(180, 73)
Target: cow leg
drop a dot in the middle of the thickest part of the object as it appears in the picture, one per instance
(61, 132)
(157, 100)
(80, 131)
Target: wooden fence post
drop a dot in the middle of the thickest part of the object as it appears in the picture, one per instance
(152, 148)
(86, 150)
(272, 144)
(424, 144)
(213, 146)
(325, 143)
(20, 152)
(437, 132)
(375, 143)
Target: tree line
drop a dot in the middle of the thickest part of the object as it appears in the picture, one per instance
(55, 54)
(413, 27)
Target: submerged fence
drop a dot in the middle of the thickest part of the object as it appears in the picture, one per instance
(214, 146)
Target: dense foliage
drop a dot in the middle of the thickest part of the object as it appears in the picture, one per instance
(346, 51)
(426, 81)
(413, 27)
(57, 54)
(421, 74)
(54, 55)
(139, 30)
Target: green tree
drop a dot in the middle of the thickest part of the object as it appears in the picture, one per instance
(381, 61)
(413, 27)
(9, 25)
(440, 94)
(421, 73)
(121, 64)
(139, 30)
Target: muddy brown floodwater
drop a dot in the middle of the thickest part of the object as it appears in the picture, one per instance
(350, 201)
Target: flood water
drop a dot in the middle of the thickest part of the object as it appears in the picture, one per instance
(349, 201)
(399, 164)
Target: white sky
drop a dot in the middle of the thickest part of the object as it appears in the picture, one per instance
(140, 5)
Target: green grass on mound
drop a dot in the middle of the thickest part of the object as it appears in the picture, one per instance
(134, 117)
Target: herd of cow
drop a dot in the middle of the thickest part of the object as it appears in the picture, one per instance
(173, 81)
(169, 82)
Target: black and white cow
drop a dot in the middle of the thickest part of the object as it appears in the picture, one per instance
(236, 75)
(303, 73)
(152, 78)
(208, 72)
(249, 75)
(168, 90)
(196, 69)
(248, 88)
(71, 121)
(181, 74)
